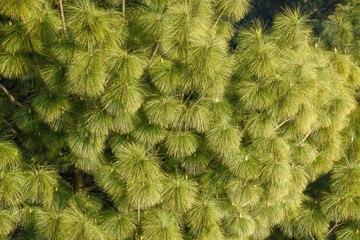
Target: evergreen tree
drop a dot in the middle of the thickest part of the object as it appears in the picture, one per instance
(342, 29)
(136, 120)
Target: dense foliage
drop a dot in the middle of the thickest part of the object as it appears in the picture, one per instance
(267, 10)
(135, 120)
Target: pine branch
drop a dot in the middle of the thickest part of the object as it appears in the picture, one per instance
(36, 60)
(79, 180)
(123, 8)
(154, 52)
(89, 188)
(12, 99)
(138, 214)
(141, 49)
(13, 131)
(17, 136)
(138, 221)
(192, 107)
(283, 122)
(333, 228)
(14, 84)
(213, 161)
(188, 98)
(21, 140)
(34, 54)
(311, 236)
(62, 17)
(307, 135)
(217, 20)
(152, 55)
(158, 148)
(72, 112)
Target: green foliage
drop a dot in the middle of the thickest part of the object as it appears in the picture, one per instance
(291, 28)
(85, 24)
(134, 163)
(181, 144)
(179, 194)
(233, 9)
(14, 64)
(9, 154)
(19, 10)
(239, 224)
(86, 75)
(40, 183)
(50, 105)
(164, 120)
(119, 225)
(341, 30)
(159, 224)
(8, 220)
(12, 184)
(79, 223)
(207, 211)
(148, 133)
(47, 222)
(223, 138)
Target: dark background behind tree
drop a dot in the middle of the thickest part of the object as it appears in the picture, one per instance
(266, 9)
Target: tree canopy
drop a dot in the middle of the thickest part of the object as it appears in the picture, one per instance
(137, 120)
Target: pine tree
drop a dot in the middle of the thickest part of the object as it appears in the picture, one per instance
(139, 120)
